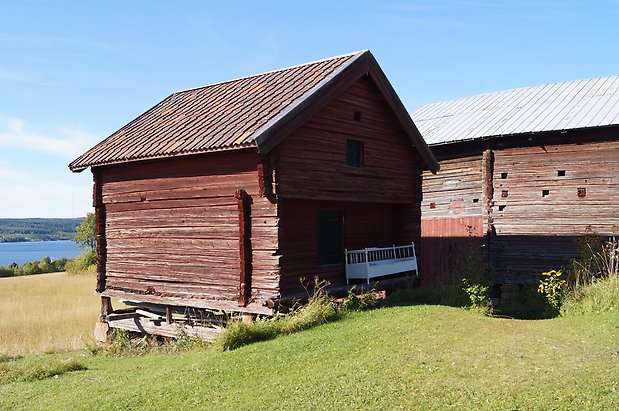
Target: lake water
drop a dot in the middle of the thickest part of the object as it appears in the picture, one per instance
(23, 252)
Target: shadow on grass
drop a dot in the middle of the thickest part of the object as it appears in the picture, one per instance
(526, 304)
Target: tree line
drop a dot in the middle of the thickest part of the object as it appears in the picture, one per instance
(37, 229)
(85, 237)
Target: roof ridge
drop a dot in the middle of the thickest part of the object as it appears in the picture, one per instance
(270, 71)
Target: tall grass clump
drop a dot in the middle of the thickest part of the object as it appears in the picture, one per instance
(593, 280)
(320, 309)
(598, 297)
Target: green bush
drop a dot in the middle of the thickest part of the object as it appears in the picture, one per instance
(84, 263)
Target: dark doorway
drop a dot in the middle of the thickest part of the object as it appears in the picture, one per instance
(329, 236)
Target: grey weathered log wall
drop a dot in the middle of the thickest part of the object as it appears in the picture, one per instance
(538, 201)
(538, 213)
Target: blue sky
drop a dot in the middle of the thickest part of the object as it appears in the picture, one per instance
(73, 72)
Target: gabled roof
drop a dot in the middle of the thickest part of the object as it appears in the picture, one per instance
(551, 107)
(255, 111)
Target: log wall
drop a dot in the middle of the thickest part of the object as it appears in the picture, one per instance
(452, 222)
(312, 161)
(532, 204)
(546, 197)
(172, 228)
(380, 200)
(365, 225)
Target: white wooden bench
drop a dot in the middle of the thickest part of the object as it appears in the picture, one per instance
(373, 262)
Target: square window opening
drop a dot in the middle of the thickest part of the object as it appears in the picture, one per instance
(504, 193)
(545, 193)
(356, 116)
(582, 192)
(503, 176)
(432, 205)
(561, 173)
(476, 200)
(502, 208)
(354, 153)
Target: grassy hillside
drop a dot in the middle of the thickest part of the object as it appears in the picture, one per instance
(37, 229)
(408, 357)
(46, 311)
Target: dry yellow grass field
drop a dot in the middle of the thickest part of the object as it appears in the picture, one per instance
(47, 312)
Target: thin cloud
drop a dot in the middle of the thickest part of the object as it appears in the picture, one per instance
(69, 141)
(29, 194)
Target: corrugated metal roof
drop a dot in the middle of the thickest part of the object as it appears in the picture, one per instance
(551, 107)
(214, 117)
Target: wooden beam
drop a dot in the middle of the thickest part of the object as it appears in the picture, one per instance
(165, 329)
(106, 308)
(245, 248)
(254, 307)
(101, 246)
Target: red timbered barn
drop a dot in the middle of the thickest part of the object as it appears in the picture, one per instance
(525, 172)
(223, 197)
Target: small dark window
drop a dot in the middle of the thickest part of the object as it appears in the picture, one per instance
(561, 173)
(432, 205)
(582, 192)
(354, 153)
(501, 208)
(545, 193)
(356, 116)
(503, 176)
(476, 200)
(504, 193)
(329, 237)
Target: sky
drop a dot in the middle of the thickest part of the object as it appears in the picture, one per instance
(73, 72)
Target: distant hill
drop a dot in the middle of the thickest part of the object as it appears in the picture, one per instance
(37, 229)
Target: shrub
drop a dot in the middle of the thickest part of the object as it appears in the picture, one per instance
(553, 287)
(84, 263)
(353, 302)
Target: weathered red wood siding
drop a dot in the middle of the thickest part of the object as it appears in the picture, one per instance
(365, 225)
(451, 216)
(172, 228)
(312, 161)
(379, 201)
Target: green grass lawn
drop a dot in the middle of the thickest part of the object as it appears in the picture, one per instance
(427, 357)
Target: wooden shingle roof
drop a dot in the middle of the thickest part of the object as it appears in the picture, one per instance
(255, 111)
